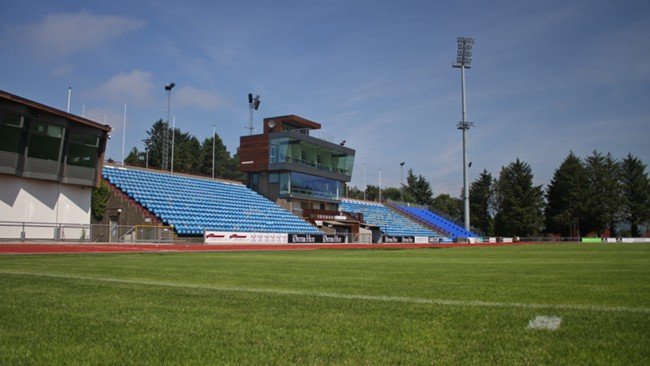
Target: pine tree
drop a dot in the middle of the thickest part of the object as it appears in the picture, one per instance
(372, 193)
(135, 158)
(566, 195)
(190, 156)
(418, 188)
(480, 202)
(604, 195)
(519, 204)
(186, 150)
(451, 207)
(355, 193)
(636, 193)
(221, 157)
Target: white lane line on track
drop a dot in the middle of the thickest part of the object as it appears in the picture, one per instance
(334, 295)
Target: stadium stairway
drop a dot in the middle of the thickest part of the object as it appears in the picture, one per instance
(390, 222)
(434, 221)
(192, 205)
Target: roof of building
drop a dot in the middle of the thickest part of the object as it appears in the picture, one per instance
(42, 107)
(295, 121)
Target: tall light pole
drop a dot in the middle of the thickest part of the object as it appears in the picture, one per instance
(123, 133)
(146, 161)
(214, 134)
(165, 147)
(253, 104)
(365, 187)
(379, 185)
(464, 61)
(173, 140)
(401, 181)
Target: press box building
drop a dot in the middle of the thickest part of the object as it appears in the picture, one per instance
(49, 162)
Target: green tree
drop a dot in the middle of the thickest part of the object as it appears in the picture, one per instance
(232, 170)
(99, 201)
(186, 151)
(190, 156)
(566, 196)
(480, 202)
(519, 204)
(221, 157)
(354, 193)
(372, 193)
(135, 158)
(418, 188)
(155, 142)
(636, 193)
(604, 193)
(449, 206)
(391, 193)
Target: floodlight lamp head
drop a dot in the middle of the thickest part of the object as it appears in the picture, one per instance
(169, 86)
(402, 163)
(464, 52)
(256, 102)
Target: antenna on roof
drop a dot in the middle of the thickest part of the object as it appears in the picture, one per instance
(69, 97)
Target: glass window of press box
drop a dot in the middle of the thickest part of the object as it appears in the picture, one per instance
(308, 185)
(11, 131)
(290, 150)
(82, 149)
(46, 141)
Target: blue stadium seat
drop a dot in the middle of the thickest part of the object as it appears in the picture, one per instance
(390, 222)
(435, 220)
(193, 205)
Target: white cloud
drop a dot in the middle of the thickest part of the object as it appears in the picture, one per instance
(133, 87)
(66, 33)
(61, 71)
(188, 96)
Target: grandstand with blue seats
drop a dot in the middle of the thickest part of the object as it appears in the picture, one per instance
(193, 205)
(432, 219)
(390, 222)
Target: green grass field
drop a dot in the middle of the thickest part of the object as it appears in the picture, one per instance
(427, 306)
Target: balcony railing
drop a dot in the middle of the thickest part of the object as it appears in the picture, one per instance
(332, 215)
(311, 164)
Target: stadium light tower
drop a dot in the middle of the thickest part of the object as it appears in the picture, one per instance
(253, 104)
(464, 61)
(165, 152)
(401, 181)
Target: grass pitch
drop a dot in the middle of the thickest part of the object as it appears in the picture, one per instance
(428, 306)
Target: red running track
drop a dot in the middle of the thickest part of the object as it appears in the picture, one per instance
(52, 248)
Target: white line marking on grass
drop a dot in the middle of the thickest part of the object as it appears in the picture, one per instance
(545, 322)
(334, 295)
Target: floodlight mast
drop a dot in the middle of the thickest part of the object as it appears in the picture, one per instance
(165, 152)
(253, 104)
(464, 61)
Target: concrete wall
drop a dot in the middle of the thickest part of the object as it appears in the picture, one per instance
(124, 213)
(40, 201)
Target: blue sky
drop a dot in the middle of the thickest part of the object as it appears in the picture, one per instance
(547, 77)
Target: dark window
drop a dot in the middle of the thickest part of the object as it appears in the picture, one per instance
(274, 178)
(255, 181)
(11, 128)
(82, 149)
(45, 141)
(310, 185)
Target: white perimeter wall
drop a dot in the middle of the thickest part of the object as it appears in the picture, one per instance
(39, 201)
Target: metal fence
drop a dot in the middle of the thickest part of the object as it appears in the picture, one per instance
(79, 233)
